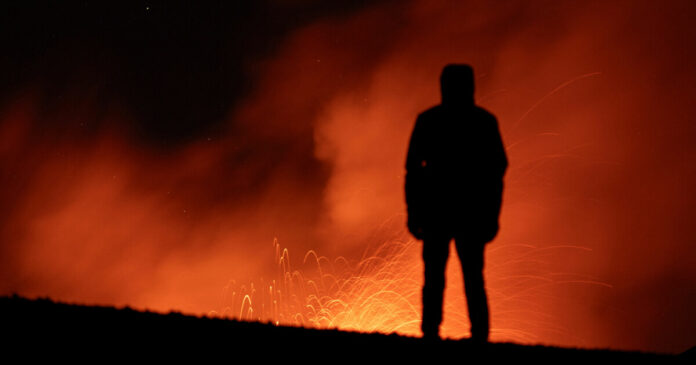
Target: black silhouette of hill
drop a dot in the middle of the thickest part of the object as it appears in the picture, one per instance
(42, 326)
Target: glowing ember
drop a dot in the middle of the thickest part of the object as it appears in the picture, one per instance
(378, 293)
(381, 293)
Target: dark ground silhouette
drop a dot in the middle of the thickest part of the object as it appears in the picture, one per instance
(454, 184)
(61, 330)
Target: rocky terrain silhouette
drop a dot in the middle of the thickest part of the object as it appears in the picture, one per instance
(107, 331)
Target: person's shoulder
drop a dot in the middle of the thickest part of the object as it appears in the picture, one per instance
(430, 113)
(483, 113)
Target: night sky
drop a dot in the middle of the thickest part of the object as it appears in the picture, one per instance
(152, 151)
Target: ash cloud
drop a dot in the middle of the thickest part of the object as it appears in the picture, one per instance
(593, 101)
(145, 158)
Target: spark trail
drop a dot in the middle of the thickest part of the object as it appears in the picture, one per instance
(381, 292)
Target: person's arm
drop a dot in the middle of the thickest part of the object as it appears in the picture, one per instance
(415, 165)
(500, 157)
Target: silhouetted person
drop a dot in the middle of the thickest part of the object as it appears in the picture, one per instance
(454, 184)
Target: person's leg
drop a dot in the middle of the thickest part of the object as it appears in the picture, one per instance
(435, 253)
(471, 255)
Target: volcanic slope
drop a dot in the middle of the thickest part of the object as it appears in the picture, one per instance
(42, 323)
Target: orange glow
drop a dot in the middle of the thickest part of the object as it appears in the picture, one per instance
(380, 292)
(596, 247)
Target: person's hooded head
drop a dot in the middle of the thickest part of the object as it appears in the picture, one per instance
(457, 85)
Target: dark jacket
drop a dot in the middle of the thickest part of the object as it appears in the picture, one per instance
(454, 173)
